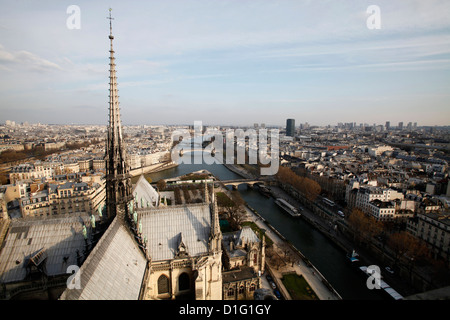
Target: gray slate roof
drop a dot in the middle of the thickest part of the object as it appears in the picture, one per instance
(144, 193)
(114, 269)
(239, 238)
(165, 226)
(59, 236)
(246, 235)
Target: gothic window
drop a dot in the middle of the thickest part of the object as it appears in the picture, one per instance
(230, 292)
(252, 287)
(241, 289)
(163, 284)
(184, 282)
(121, 189)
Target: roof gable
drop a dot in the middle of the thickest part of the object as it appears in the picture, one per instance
(162, 228)
(114, 269)
(144, 194)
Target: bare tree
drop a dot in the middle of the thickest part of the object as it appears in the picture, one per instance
(308, 187)
(274, 258)
(287, 253)
(364, 227)
(161, 184)
(408, 249)
(232, 207)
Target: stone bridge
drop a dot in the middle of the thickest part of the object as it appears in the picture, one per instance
(237, 182)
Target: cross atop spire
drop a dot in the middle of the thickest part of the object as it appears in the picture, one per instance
(110, 24)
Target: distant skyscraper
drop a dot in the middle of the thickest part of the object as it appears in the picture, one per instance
(290, 127)
(388, 125)
(118, 179)
(400, 126)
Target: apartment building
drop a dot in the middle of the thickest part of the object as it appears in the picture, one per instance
(85, 164)
(381, 210)
(65, 198)
(368, 194)
(37, 170)
(73, 197)
(35, 205)
(434, 229)
(21, 172)
(98, 164)
(143, 159)
(382, 203)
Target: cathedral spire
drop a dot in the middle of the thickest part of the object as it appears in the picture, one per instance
(118, 182)
(114, 111)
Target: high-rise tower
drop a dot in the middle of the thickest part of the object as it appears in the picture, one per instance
(290, 127)
(118, 181)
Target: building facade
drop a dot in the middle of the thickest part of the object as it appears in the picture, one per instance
(434, 229)
(244, 261)
(184, 244)
(381, 203)
(65, 198)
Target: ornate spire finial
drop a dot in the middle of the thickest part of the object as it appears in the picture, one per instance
(110, 24)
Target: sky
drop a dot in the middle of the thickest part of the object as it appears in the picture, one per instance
(227, 62)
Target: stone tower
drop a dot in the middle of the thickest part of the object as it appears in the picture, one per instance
(118, 181)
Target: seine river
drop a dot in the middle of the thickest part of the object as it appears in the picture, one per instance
(323, 253)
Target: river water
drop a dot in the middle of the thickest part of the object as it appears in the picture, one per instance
(327, 257)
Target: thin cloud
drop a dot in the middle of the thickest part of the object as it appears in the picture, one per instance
(25, 59)
(385, 54)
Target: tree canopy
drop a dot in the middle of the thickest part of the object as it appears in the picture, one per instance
(309, 188)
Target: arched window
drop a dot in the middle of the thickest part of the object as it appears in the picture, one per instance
(121, 189)
(163, 284)
(252, 287)
(184, 282)
(230, 292)
(241, 289)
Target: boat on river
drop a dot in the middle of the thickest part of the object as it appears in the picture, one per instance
(353, 257)
(283, 204)
(264, 191)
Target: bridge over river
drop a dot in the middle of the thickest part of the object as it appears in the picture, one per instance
(235, 183)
